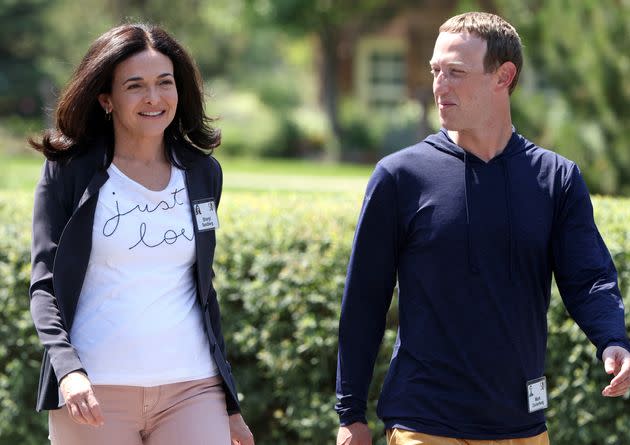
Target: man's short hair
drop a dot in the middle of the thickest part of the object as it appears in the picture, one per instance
(502, 41)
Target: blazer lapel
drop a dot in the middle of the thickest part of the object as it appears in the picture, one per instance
(199, 188)
(100, 177)
(73, 251)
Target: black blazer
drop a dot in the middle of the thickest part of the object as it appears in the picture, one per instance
(63, 216)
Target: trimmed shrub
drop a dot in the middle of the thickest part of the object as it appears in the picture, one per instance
(280, 274)
(20, 350)
(310, 134)
(280, 268)
(578, 413)
(248, 126)
(367, 135)
(275, 124)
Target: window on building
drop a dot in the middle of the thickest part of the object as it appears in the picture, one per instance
(381, 72)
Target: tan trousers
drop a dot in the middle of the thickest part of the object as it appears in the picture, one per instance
(191, 413)
(402, 437)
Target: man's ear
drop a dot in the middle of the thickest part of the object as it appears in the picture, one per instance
(505, 75)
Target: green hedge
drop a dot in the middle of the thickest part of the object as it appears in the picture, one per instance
(280, 269)
(578, 413)
(20, 351)
(280, 274)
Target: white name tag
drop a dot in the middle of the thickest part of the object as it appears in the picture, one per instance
(206, 215)
(537, 394)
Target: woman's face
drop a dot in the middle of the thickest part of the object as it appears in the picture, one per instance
(143, 97)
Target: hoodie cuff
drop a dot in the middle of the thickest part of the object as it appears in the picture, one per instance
(346, 421)
(625, 344)
(350, 411)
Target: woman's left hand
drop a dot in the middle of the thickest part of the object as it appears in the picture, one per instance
(239, 431)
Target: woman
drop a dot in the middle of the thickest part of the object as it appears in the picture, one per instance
(123, 244)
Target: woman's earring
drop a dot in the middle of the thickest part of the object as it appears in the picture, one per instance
(108, 115)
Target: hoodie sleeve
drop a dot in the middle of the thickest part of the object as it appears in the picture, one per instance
(584, 270)
(367, 295)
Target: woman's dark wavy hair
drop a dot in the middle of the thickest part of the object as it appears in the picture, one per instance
(80, 119)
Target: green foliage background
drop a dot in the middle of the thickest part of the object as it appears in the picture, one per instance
(280, 267)
(282, 256)
(575, 90)
(269, 67)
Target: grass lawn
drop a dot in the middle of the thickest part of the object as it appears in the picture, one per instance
(20, 172)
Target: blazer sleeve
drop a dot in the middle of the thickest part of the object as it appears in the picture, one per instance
(49, 219)
(231, 404)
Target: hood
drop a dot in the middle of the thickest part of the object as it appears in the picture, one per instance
(442, 141)
(517, 144)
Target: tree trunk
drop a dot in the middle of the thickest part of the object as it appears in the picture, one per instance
(329, 93)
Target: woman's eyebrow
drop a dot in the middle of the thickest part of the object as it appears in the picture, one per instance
(136, 78)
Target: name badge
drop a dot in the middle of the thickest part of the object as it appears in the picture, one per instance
(205, 215)
(537, 394)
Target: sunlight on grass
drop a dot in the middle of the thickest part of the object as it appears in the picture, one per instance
(292, 183)
(20, 172)
(293, 166)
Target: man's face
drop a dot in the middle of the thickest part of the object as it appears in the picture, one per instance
(461, 87)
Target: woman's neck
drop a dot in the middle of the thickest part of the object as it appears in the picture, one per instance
(144, 150)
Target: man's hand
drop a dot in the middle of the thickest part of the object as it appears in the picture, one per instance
(239, 431)
(354, 434)
(82, 405)
(617, 361)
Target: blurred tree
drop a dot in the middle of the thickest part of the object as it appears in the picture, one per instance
(326, 19)
(213, 32)
(21, 31)
(576, 88)
(41, 42)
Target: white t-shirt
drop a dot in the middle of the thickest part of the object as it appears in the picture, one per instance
(138, 321)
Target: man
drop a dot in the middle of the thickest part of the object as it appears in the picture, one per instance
(472, 222)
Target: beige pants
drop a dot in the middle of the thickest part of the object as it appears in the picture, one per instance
(402, 437)
(191, 413)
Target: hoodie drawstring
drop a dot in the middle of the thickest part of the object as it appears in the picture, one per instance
(510, 217)
(508, 204)
(471, 266)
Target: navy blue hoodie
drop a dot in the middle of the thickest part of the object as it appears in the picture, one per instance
(472, 246)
